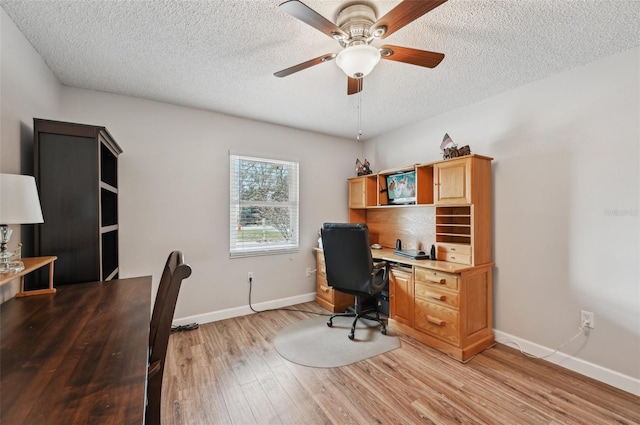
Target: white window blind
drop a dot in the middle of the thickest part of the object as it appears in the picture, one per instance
(263, 206)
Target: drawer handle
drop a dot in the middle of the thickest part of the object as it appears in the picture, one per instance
(436, 321)
(441, 281)
(437, 297)
(453, 249)
(324, 288)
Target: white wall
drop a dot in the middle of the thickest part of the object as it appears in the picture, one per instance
(28, 89)
(173, 182)
(566, 206)
(174, 194)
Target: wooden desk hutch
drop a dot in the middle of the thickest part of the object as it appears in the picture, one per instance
(444, 303)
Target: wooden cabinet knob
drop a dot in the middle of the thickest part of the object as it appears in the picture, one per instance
(437, 297)
(324, 288)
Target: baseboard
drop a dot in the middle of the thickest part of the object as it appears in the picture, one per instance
(599, 373)
(229, 313)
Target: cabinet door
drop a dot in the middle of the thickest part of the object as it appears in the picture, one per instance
(452, 183)
(66, 176)
(401, 295)
(363, 191)
(357, 193)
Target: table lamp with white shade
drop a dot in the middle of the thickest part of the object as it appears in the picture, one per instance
(19, 204)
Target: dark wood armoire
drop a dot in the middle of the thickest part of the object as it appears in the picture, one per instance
(76, 170)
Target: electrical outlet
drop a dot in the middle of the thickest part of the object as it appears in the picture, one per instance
(250, 276)
(588, 319)
(308, 271)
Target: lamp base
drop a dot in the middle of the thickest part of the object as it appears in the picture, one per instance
(11, 267)
(9, 260)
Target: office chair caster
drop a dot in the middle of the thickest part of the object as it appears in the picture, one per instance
(383, 331)
(330, 322)
(352, 335)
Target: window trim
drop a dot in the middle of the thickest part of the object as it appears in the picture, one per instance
(235, 205)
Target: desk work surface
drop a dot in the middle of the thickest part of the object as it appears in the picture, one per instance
(78, 356)
(387, 254)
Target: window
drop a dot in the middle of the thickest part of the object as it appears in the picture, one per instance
(263, 206)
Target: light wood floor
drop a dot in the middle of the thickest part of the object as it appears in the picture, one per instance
(228, 372)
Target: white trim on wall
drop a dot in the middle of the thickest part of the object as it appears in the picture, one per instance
(229, 313)
(602, 374)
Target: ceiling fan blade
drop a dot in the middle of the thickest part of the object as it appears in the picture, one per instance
(309, 16)
(305, 65)
(412, 56)
(354, 85)
(403, 14)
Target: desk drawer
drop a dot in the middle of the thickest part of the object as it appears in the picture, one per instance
(454, 258)
(454, 248)
(323, 290)
(439, 322)
(434, 277)
(332, 300)
(326, 296)
(437, 295)
(455, 253)
(320, 262)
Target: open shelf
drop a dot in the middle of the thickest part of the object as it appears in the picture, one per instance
(108, 207)
(108, 166)
(453, 224)
(109, 254)
(371, 191)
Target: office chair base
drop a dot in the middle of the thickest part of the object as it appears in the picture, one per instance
(357, 316)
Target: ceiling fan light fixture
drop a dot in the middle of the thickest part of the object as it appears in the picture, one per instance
(359, 60)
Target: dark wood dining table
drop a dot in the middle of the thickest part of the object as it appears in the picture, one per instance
(78, 356)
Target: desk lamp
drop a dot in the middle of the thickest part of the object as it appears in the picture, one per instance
(19, 204)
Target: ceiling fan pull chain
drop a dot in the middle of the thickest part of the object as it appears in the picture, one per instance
(359, 113)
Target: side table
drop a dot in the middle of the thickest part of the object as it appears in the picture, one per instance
(31, 264)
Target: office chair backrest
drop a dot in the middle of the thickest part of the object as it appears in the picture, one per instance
(347, 256)
(175, 270)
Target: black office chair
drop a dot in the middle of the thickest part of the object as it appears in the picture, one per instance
(350, 269)
(175, 270)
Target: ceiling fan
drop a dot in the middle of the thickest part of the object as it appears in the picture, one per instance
(355, 28)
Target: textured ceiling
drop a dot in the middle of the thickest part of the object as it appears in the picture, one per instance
(221, 55)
